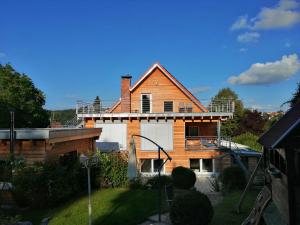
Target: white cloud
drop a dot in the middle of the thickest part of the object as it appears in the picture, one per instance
(198, 90)
(2, 54)
(248, 37)
(283, 15)
(269, 72)
(240, 23)
(243, 49)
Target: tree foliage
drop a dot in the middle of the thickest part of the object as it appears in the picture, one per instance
(253, 122)
(18, 94)
(295, 98)
(230, 127)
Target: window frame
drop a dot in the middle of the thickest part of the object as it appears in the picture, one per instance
(165, 106)
(150, 102)
(201, 166)
(152, 166)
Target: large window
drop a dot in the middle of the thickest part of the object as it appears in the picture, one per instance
(192, 131)
(151, 165)
(160, 132)
(202, 165)
(146, 103)
(168, 106)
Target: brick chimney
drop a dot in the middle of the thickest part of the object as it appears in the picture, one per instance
(125, 93)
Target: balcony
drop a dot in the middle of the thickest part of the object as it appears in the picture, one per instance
(202, 143)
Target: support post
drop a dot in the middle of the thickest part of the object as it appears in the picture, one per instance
(12, 135)
(219, 132)
(159, 189)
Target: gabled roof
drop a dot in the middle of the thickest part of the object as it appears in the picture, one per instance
(282, 128)
(171, 78)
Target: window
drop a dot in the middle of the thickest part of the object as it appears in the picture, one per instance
(168, 106)
(193, 131)
(207, 165)
(202, 165)
(160, 132)
(185, 107)
(146, 103)
(195, 165)
(151, 165)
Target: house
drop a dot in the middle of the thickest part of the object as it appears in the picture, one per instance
(159, 107)
(41, 144)
(282, 165)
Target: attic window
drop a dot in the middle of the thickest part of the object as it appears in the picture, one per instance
(168, 106)
(146, 103)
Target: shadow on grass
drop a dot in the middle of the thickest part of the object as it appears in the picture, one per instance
(130, 208)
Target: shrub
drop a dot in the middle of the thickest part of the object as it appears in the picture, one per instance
(42, 185)
(248, 139)
(192, 208)
(164, 181)
(112, 170)
(183, 178)
(233, 178)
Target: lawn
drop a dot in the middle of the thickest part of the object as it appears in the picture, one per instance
(131, 207)
(225, 212)
(110, 207)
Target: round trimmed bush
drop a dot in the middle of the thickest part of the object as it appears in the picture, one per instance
(233, 178)
(192, 208)
(183, 178)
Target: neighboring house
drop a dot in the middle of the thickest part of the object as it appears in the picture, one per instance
(41, 144)
(159, 107)
(282, 163)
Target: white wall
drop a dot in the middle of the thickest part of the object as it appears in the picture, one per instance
(113, 132)
(160, 132)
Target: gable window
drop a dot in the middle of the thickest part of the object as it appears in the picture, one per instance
(151, 165)
(168, 106)
(185, 107)
(146, 103)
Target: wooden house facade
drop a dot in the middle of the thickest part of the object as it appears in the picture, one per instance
(159, 107)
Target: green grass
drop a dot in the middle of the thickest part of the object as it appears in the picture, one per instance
(225, 212)
(110, 207)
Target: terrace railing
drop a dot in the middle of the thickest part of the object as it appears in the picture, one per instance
(215, 105)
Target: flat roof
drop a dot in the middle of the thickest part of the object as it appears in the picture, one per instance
(50, 133)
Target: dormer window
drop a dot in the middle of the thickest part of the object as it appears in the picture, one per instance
(146, 103)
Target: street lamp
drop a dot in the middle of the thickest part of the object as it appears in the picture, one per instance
(88, 162)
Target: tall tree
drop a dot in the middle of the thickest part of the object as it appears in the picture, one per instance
(97, 105)
(230, 127)
(253, 122)
(296, 97)
(18, 94)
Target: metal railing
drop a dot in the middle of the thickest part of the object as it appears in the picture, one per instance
(202, 142)
(219, 106)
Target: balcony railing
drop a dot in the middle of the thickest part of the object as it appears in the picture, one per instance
(218, 106)
(208, 143)
(201, 142)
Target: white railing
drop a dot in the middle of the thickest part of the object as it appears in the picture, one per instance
(221, 105)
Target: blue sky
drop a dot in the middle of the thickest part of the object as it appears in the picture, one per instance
(79, 49)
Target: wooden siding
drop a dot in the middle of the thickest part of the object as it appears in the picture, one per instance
(41, 150)
(162, 89)
(180, 157)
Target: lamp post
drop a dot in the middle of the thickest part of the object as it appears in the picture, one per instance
(88, 162)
